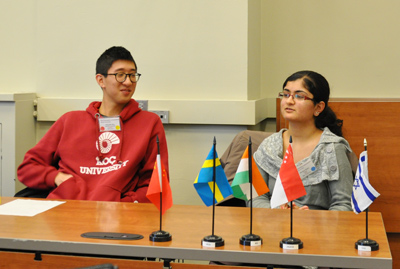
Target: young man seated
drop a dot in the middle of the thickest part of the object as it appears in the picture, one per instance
(106, 153)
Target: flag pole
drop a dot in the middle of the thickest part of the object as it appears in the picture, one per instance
(291, 219)
(213, 240)
(251, 239)
(160, 235)
(214, 175)
(291, 242)
(160, 178)
(251, 185)
(366, 244)
(366, 211)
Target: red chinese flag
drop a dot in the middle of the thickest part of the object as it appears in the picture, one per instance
(159, 183)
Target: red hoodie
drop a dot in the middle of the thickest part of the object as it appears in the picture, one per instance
(119, 171)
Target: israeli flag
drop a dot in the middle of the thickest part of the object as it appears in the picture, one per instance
(363, 193)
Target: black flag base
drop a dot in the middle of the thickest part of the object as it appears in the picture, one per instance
(160, 236)
(367, 245)
(291, 243)
(251, 240)
(212, 241)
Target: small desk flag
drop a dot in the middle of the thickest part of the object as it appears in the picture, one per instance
(288, 185)
(159, 183)
(204, 181)
(363, 193)
(241, 181)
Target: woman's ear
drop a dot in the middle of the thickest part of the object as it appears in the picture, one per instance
(319, 108)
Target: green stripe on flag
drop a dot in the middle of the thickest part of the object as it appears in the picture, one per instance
(240, 179)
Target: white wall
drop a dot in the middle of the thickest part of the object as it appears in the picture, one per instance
(17, 46)
(207, 50)
(353, 43)
(183, 48)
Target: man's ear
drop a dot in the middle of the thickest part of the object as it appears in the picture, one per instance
(100, 80)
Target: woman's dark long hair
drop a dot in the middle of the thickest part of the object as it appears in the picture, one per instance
(319, 87)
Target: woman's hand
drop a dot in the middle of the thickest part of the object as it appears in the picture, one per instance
(286, 206)
(61, 177)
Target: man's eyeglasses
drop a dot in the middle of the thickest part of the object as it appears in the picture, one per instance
(121, 77)
(296, 96)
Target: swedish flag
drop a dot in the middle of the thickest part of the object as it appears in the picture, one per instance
(204, 182)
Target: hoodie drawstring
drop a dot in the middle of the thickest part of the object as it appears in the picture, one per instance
(122, 138)
(97, 117)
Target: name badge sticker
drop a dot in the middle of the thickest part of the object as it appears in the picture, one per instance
(305, 168)
(109, 124)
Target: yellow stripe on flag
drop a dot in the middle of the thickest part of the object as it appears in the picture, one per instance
(210, 163)
(218, 194)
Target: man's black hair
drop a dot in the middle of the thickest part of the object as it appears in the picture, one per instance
(111, 55)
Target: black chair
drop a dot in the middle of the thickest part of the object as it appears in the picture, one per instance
(32, 193)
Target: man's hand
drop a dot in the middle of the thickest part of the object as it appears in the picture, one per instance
(61, 177)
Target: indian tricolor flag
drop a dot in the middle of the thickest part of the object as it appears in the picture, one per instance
(241, 182)
(288, 185)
